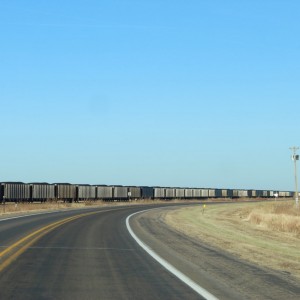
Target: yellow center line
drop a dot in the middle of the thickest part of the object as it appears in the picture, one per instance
(24, 243)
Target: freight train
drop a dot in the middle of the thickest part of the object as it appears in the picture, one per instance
(42, 192)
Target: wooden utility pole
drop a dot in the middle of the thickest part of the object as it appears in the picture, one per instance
(295, 157)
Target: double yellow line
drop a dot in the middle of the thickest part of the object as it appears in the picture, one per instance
(12, 252)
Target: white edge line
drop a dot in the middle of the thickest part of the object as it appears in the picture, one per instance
(31, 215)
(197, 288)
(54, 211)
(44, 213)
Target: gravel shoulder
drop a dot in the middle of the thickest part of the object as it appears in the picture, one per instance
(228, 228)
(221, 272)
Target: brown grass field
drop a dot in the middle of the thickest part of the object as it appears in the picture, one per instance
(12, 208)
(265, 233)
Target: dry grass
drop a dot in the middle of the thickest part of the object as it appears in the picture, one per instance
(264, 233)
(12, 208)
(279, 216)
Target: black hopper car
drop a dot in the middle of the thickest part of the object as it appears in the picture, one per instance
(42, 192)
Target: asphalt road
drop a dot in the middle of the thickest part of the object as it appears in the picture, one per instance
(62, 256)
(92, 257)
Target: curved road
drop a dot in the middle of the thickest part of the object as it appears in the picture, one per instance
(92, 257)
(89, 254)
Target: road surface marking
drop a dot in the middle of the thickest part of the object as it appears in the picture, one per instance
(192, 284)
(8, 255)
(77, 248)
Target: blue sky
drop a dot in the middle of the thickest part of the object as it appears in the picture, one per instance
(170, 93)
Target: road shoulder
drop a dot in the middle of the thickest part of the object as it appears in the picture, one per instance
(223, 274)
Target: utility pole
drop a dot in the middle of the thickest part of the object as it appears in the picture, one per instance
(295, 157)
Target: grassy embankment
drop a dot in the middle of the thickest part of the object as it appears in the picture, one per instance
(264, 233)
(12, 208)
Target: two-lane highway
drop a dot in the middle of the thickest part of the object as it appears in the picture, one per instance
(88, 257)
(91, 254)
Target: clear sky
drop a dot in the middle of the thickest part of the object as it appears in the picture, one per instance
(197, 93)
